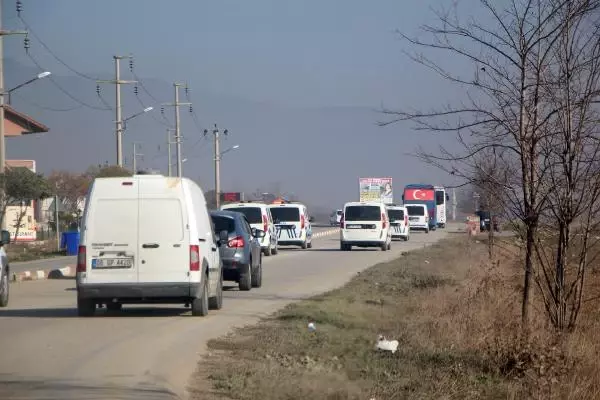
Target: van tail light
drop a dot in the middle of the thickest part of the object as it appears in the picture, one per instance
(406, 220)
(265, 223)
(81, 259)
(383, 221)
(194, 257)
(342, 221)
(302, 222)
(236, 242)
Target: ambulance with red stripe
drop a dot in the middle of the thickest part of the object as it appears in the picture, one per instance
(417, 193)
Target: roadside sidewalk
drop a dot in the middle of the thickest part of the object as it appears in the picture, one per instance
(49, 268)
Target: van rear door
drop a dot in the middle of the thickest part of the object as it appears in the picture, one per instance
(164, 247)
(290, 223)
(363, 222)
(111, 232)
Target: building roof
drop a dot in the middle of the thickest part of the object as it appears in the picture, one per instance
(18, 124)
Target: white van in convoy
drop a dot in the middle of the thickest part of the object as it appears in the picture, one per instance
(148, 239)
(335, 218)
(294, 226)
(259, 217)
(418, 217)
(365, 224)
(399, 223)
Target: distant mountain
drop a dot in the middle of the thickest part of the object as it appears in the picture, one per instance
(316, 153)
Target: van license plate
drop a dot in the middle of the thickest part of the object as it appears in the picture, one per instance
(414, 218)
(354, 226)
(103, 263)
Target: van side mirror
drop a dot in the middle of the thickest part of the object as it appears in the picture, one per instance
(258, 233)
(447, 197)
(223, 237)
(311, 219)
(4, 237)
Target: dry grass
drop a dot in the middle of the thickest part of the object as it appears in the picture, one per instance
(32, 251)
(455, 315)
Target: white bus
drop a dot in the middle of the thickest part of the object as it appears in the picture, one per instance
(441, 199)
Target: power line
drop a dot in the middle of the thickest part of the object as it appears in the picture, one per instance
(56, 57)
(38, 105)
(64, 91)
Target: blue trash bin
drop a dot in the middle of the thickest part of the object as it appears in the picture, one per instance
(71, 242)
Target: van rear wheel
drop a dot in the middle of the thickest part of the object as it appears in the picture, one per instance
(268, 251)
(200, 305)
(114, 306)
(216, 302)
(304, 245)
(85, 307)
(4, 289)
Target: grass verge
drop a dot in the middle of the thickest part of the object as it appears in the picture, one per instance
(455, 315)
(29, 251)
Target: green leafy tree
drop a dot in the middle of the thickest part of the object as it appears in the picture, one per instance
(21, 186)
(107, 171)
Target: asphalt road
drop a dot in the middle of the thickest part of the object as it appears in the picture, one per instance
(47, 352)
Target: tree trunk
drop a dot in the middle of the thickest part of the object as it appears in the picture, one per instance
(20, 215)
(530, 237)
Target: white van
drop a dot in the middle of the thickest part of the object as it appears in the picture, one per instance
(335, 218)
(399, 223)
(147, 239)
(418, 217)
(365, 224)
(259, 217)
(294, 226)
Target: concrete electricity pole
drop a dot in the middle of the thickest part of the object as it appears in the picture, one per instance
(119, 111)
(169, 143)
(135, 156)
(2, 90)
(217, 160)
(453, 204)
(178, 136)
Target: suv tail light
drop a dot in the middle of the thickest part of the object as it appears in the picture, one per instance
(194, 257)
(383, 221)
(81, 259)
(342, 221)
(265, 223)
(237, 242)
(302, 222)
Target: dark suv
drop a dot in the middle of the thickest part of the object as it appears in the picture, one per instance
(486, 221)
(239, 247)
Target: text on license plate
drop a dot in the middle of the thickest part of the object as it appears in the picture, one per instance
(354, 226)
(112, 262)
(414, 218)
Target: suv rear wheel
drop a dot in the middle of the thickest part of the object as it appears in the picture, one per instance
(245, 282)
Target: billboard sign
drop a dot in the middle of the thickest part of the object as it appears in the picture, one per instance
(25, 211)
(376, 189)
(231, 197)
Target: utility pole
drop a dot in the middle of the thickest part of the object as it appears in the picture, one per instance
(2, 135)
(135, 156)
(169, 143)
(119, 111)
(453, 204)
(217, 160)
(178, 136)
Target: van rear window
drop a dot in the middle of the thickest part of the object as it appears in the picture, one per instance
(285, 214)
(253, 214)
(396, 215)
(363, 213)
(415, 210)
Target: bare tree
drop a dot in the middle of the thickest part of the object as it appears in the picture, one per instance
(503, 107)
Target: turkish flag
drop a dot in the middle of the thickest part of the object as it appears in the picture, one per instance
(419, 194)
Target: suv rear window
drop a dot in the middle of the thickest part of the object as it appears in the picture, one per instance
(415, 210)
(396, 215)
(363, 213)
(285, 214)
(223, 223)
(253, 214)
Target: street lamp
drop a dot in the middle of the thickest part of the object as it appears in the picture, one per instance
(144, 111)
(237, 146)
(41, 75)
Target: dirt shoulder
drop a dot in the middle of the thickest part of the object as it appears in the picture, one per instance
(454, 314)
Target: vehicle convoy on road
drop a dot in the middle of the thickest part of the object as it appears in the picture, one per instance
(399, 223)
(239, 248)
(4, 269)
(422, 194)
(441, 201)
(294, 225)
(147, 239)
(365, 224)
(259, 216)
(417, 217)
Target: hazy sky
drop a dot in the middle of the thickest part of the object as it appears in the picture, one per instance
(309, 54)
